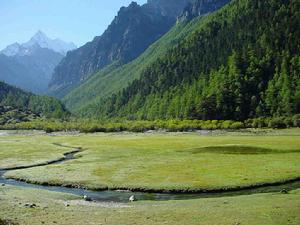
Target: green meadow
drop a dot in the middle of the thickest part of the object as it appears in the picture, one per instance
(157, 162)
(56, 208)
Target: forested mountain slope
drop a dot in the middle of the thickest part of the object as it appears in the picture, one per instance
(242, 61)
(12, 98)
(130, 33)
(115, 77)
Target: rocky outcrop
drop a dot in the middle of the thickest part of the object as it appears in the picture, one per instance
(201, 7)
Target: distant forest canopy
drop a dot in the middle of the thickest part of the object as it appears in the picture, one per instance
(16, 99)
(241, 62)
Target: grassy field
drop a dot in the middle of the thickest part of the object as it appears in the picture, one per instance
(266, 209)
(171, 161)
(159, 161)
(19, 150)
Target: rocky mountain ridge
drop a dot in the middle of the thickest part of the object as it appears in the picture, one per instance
(41, 40)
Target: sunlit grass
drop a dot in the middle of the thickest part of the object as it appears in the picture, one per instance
(172, 161)
(271, 209)
(22, 150)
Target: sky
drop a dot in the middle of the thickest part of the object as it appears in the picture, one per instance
(76, 21)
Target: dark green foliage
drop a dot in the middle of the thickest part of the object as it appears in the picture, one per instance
(296, 120)
(20, 100)
(240, 62)
(117, 76)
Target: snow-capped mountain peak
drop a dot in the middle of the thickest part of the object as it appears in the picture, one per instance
(42, 40)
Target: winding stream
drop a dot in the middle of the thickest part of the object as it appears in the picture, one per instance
(123, 196)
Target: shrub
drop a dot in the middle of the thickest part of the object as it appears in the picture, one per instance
(237, 125)
(277, 122)
(257, 122)
(296, 120)
(90, 126)
(226, 124)
(288, 122)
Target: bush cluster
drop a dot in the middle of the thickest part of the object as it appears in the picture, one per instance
(91, 126)
(275, 122)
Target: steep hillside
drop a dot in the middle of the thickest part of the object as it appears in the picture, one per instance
(130, 33)
(201, 7)
(242, 61)
(115, 77)
(15, 99)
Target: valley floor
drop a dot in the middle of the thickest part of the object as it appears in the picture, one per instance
(152, 161)
(264, 209)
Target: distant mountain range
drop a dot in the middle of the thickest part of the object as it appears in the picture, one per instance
(131, 32)
(30, 65)
(38, 40)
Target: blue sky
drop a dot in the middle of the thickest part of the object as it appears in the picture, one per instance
(71, 20)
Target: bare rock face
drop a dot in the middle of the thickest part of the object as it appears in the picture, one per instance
(170, 8)
(201, 7)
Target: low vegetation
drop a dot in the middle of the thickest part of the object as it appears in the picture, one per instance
(90, 126)
(156, 161)
(23, 151)
(271, 209)
(160, 161)
(13, 115)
